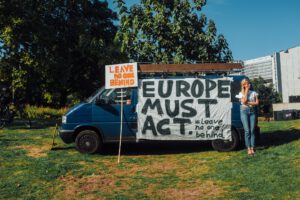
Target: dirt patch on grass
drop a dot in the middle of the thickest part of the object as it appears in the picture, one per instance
(298, 143)
(86, 186)
(296, 162)
(244, 190)
(99, 186)
(35, 151)
(205, 189)
(21, 131)
(131, 178)
(297, 126)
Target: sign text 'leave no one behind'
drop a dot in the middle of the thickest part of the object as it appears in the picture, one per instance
(121, 75)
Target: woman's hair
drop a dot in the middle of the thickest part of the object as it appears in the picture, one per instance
(243, 91)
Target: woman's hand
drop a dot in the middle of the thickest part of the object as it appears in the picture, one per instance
(247, 88)
(244, 100)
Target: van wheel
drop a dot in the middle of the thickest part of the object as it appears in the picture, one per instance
(226, 145)
(88, 141)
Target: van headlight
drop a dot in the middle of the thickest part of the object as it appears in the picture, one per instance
(64, 119)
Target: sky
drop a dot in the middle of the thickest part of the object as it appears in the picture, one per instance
(253, 28)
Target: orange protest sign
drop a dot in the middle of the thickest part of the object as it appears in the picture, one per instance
(121, 75)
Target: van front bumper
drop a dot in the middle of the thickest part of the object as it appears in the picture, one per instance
(66, 135)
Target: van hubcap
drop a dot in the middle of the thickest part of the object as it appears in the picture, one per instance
(87, 142)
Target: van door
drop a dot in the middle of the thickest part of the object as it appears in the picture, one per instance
(106, 114)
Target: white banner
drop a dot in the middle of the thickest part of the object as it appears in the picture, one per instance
(184, 109)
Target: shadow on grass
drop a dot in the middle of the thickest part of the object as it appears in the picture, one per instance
(58, 148)
(147, 148)
(157, 148)
(278, 138)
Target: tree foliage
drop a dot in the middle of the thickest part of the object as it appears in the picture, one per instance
(52, 49)
(267, 93)
(55, 48)
(170, 31)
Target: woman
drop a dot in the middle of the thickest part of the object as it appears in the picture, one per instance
(249, 101)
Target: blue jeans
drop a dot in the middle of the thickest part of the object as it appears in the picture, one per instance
(248, 117)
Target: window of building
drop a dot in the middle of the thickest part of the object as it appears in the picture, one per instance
(294, 99)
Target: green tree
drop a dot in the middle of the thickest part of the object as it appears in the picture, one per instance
(58, 48)
(165, 31)
(266, 91)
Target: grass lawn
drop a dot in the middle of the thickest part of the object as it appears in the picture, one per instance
(30, 170)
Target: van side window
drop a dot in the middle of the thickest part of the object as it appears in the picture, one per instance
(114, 96)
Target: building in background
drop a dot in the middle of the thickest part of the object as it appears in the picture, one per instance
(282, 69)
(259, 67)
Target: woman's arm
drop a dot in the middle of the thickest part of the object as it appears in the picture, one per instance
(254, 103)
(244, 100)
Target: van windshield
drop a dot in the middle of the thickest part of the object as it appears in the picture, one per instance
(95, 94)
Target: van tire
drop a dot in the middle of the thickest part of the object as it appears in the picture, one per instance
(226, 145)
(88, 141)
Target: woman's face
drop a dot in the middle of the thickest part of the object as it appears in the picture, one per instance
(246, 85)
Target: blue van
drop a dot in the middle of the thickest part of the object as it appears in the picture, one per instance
(96, 121)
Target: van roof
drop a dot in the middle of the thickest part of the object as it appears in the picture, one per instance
(201, 67)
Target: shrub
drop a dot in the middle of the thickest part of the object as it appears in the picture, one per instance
(35, 112)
